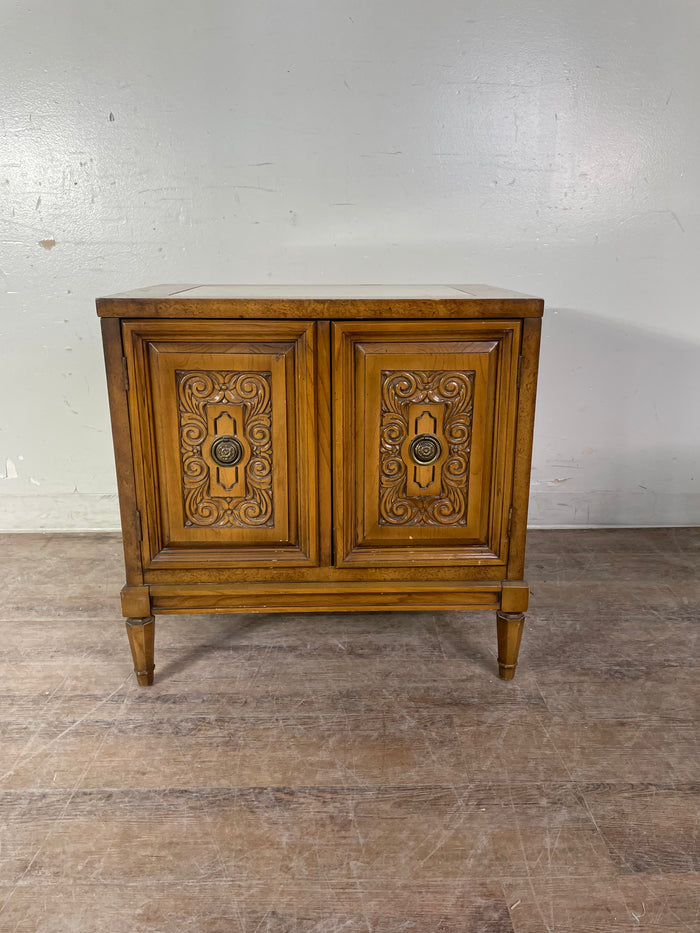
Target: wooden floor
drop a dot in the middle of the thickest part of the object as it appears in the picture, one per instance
(289, 774)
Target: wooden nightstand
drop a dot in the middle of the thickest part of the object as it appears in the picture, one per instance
(322, 448)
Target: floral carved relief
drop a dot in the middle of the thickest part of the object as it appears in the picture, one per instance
(413, 491)
(243, 402)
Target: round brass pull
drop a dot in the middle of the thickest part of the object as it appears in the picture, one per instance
(425, 449)
(226, 450)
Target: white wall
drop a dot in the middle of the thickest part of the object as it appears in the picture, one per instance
(542, 145)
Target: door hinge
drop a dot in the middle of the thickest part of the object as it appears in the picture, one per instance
(125, 374)
(510, 522)
(139, 526)
(520, 367)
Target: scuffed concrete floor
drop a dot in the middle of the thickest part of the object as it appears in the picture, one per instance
(364, 772)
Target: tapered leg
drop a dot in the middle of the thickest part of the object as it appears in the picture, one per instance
(510, 630)
(141, 634)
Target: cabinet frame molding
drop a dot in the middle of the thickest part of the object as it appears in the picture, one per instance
(498, 410)
(142, 341)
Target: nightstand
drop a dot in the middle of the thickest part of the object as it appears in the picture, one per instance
(326, 448)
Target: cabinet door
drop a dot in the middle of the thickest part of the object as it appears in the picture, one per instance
(223, 426)
(424, 441)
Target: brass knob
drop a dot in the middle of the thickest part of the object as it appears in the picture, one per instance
(226, 451)
(425, 449)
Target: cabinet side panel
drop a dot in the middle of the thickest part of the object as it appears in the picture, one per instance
(344, 443)
(118, 409)
(523, 445)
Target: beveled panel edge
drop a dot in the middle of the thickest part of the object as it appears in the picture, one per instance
(194, 557)
(430, 555)
(503, 438)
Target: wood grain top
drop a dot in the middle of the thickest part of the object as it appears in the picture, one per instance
(320, 302)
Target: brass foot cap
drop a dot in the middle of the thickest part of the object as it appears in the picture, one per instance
(145, 678)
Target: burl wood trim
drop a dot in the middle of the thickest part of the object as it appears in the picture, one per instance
(247, 394)
(413, 402)
(474, 303)
(136, 601)
(515, 596)
(141, 633)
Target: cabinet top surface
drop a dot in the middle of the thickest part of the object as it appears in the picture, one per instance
(319, 301)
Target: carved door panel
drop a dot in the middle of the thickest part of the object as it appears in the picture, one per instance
(424, 441)
(224, 432)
